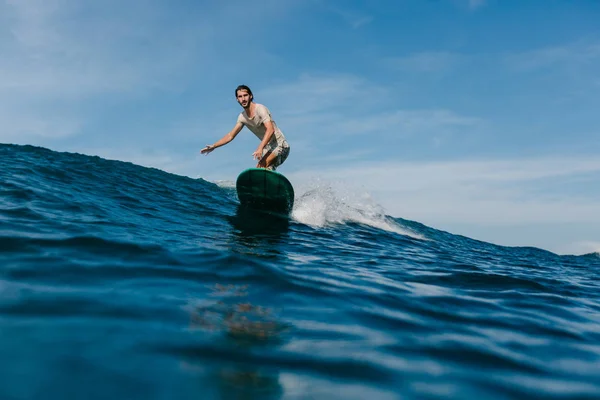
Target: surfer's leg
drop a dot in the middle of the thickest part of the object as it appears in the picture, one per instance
(267, 160)
(273, 159)
(282, 154)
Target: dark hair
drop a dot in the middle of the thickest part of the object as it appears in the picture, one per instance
(246, 88)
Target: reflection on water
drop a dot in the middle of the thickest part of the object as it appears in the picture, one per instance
(245, 326)
(240, 384)
(242, 321)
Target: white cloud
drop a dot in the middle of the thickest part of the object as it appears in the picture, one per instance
(20, 126)
(584, 247)
(316, 93)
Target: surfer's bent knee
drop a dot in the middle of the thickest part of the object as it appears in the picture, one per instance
(281, 153)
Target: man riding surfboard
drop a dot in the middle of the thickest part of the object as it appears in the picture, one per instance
(273, 148)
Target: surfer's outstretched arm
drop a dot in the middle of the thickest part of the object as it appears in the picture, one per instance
(224, 140)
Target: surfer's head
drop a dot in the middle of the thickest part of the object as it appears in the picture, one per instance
(244, 95)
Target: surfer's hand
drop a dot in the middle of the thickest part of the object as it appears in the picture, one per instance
(207, 149)
(257, 154)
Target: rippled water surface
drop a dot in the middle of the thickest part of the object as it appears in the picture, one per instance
(118, 281)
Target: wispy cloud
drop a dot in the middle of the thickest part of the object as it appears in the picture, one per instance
(51, 55)
(351, 16)
(354, 19)
(474, 4)
(336, 109)
(575, 55)
(53, 61)
(19, 125)
(408, 122)
(320, 92)
(62, 58)
(432, 61)
(154, 158)
(584, 247)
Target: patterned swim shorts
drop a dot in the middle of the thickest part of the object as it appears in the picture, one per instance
(282, 153)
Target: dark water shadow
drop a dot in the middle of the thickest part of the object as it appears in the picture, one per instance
(259, 233)
(249, 222)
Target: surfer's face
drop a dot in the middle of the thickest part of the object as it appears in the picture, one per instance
(244, 98)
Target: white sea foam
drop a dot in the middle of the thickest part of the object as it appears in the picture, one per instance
(320, 204)
(228, 184)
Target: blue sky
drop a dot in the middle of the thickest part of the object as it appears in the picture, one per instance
(478, 117)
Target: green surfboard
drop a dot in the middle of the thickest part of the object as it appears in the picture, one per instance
(265, 190)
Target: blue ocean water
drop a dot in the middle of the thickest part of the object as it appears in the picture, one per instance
(121, 282)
